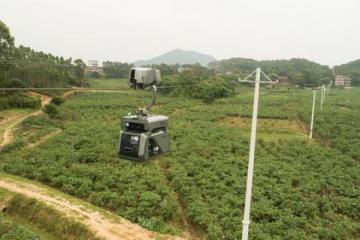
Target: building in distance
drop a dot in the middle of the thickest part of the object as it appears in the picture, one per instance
(93, 67)
(342, 81)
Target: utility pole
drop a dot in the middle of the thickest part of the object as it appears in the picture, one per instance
(322, 97)
(246, 220)
(329, 87)
(312, 116)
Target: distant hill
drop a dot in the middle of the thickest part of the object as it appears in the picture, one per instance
(297, 71)
(351, 69)
(178, 56)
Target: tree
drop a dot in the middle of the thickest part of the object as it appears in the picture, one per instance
(6, 42)
(23, 66)
(6, 49)
(116, 69)
(79, 69)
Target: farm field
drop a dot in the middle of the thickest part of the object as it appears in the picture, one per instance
(108, 83)
(302, 189)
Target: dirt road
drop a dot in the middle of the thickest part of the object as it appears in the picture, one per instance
(115, 229)
(7, 133)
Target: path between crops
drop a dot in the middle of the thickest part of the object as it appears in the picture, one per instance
(115, 229)
(189, 232)
(7, 133)
(43, 139)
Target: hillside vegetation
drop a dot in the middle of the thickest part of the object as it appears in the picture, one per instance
(302, 189)
(351, 69)
(300, 72)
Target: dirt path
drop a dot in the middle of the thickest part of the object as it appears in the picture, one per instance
(43, 139)
(115, 229)
(7, 133)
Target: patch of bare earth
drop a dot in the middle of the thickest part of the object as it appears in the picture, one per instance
(105, 226)
(293, 126)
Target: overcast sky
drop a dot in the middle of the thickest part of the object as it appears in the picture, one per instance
(326, 31)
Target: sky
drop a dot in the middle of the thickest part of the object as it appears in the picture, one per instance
(325, 31)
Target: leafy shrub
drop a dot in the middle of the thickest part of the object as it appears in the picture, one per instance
(192, 85)
(19, 232)
(19, 101)
(212, 89)
(51, 110)
(57, 100)
(13, 83)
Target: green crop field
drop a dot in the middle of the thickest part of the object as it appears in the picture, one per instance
(302, 189)
(108, 83)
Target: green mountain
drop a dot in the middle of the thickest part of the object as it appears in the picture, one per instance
(178, 56)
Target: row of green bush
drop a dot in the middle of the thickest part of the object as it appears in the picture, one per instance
(19, 101)
(199, 83)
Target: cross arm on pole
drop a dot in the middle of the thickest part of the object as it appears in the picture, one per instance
(246, 219)
(258, 75)
(251, 81)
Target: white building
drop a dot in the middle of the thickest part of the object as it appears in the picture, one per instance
(93, 66)
(93, 63)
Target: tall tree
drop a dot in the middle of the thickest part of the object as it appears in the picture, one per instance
(6, 49)
(23, 67)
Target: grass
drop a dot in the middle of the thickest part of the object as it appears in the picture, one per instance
(53, 192)
(108, 83)
(291, 126)
(10, 115)
(40, 218)
(38, 232)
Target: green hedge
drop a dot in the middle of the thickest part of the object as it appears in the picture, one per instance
(19, 101)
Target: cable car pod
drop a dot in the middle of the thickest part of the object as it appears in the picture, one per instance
(143, 137)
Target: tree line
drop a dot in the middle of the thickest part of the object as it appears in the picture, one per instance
(114, 69)
(297, 71)
(24, 67)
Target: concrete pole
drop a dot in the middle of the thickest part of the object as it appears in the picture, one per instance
(322, 97)
(312, 116)
(246, 220)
